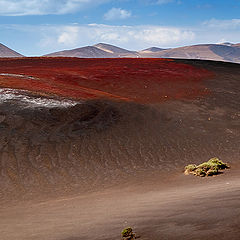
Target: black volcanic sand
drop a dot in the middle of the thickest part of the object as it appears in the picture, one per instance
(89, 170)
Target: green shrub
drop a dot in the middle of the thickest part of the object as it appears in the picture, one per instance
(209, 168)
(219, 163)
(212, 172)
(200, 172)
(191, 167)
(127, 234)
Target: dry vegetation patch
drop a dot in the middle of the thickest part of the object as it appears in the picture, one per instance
(128, 234)
(209, 168)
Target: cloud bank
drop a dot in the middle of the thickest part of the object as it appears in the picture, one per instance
(124, 36)
(223, 24)
(44, 7)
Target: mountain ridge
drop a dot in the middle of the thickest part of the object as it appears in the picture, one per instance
(7, 52)
(217, 52)
(227, 52)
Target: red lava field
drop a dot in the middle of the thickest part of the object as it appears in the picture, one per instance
(139, 80)
(91, 146)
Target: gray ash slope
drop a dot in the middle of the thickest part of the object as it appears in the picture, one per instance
(83, 145)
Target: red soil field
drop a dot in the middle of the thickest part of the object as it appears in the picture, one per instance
(139, 80)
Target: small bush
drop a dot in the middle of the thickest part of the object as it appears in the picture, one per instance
(127, 234)
(219, 163)
(200, 172)
(191, 167)
(209, 168)
(212, 172)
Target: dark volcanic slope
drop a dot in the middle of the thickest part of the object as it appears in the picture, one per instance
(7, 52)
(50, 143)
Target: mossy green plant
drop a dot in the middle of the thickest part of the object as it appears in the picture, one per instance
(127, 234)
(189, 168)
(212, 167)
(219, 163)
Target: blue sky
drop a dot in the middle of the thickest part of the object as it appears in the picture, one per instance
(37, 27)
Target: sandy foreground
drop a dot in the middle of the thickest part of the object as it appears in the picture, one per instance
(176, 207)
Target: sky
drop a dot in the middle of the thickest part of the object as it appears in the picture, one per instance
(38, 27)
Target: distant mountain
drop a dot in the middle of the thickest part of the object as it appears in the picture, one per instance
(7, 52)
(152, 50)
(84, 52)
(100, 50)
(115, 51)
(218, 52)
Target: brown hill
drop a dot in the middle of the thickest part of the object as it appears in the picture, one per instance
(7, 52)
(150, 52)
(116, 51)
(217, 52)
(100, 50)
(84, 52)
(153, 49)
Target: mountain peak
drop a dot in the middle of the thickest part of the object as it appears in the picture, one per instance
(153, 50)
(7, 52)
(83, 52)
(111, 48)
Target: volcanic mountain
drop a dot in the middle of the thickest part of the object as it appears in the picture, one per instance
(218, 52)
(150, 52)
(153, 49)
(83, 52)
(100, 50)
(116, 51)
(89, 147)
(7, 52)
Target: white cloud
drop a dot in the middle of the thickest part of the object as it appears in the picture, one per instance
(69, 36)
(131, 37)
(117, 13)
(224, 24)
(43, 7)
